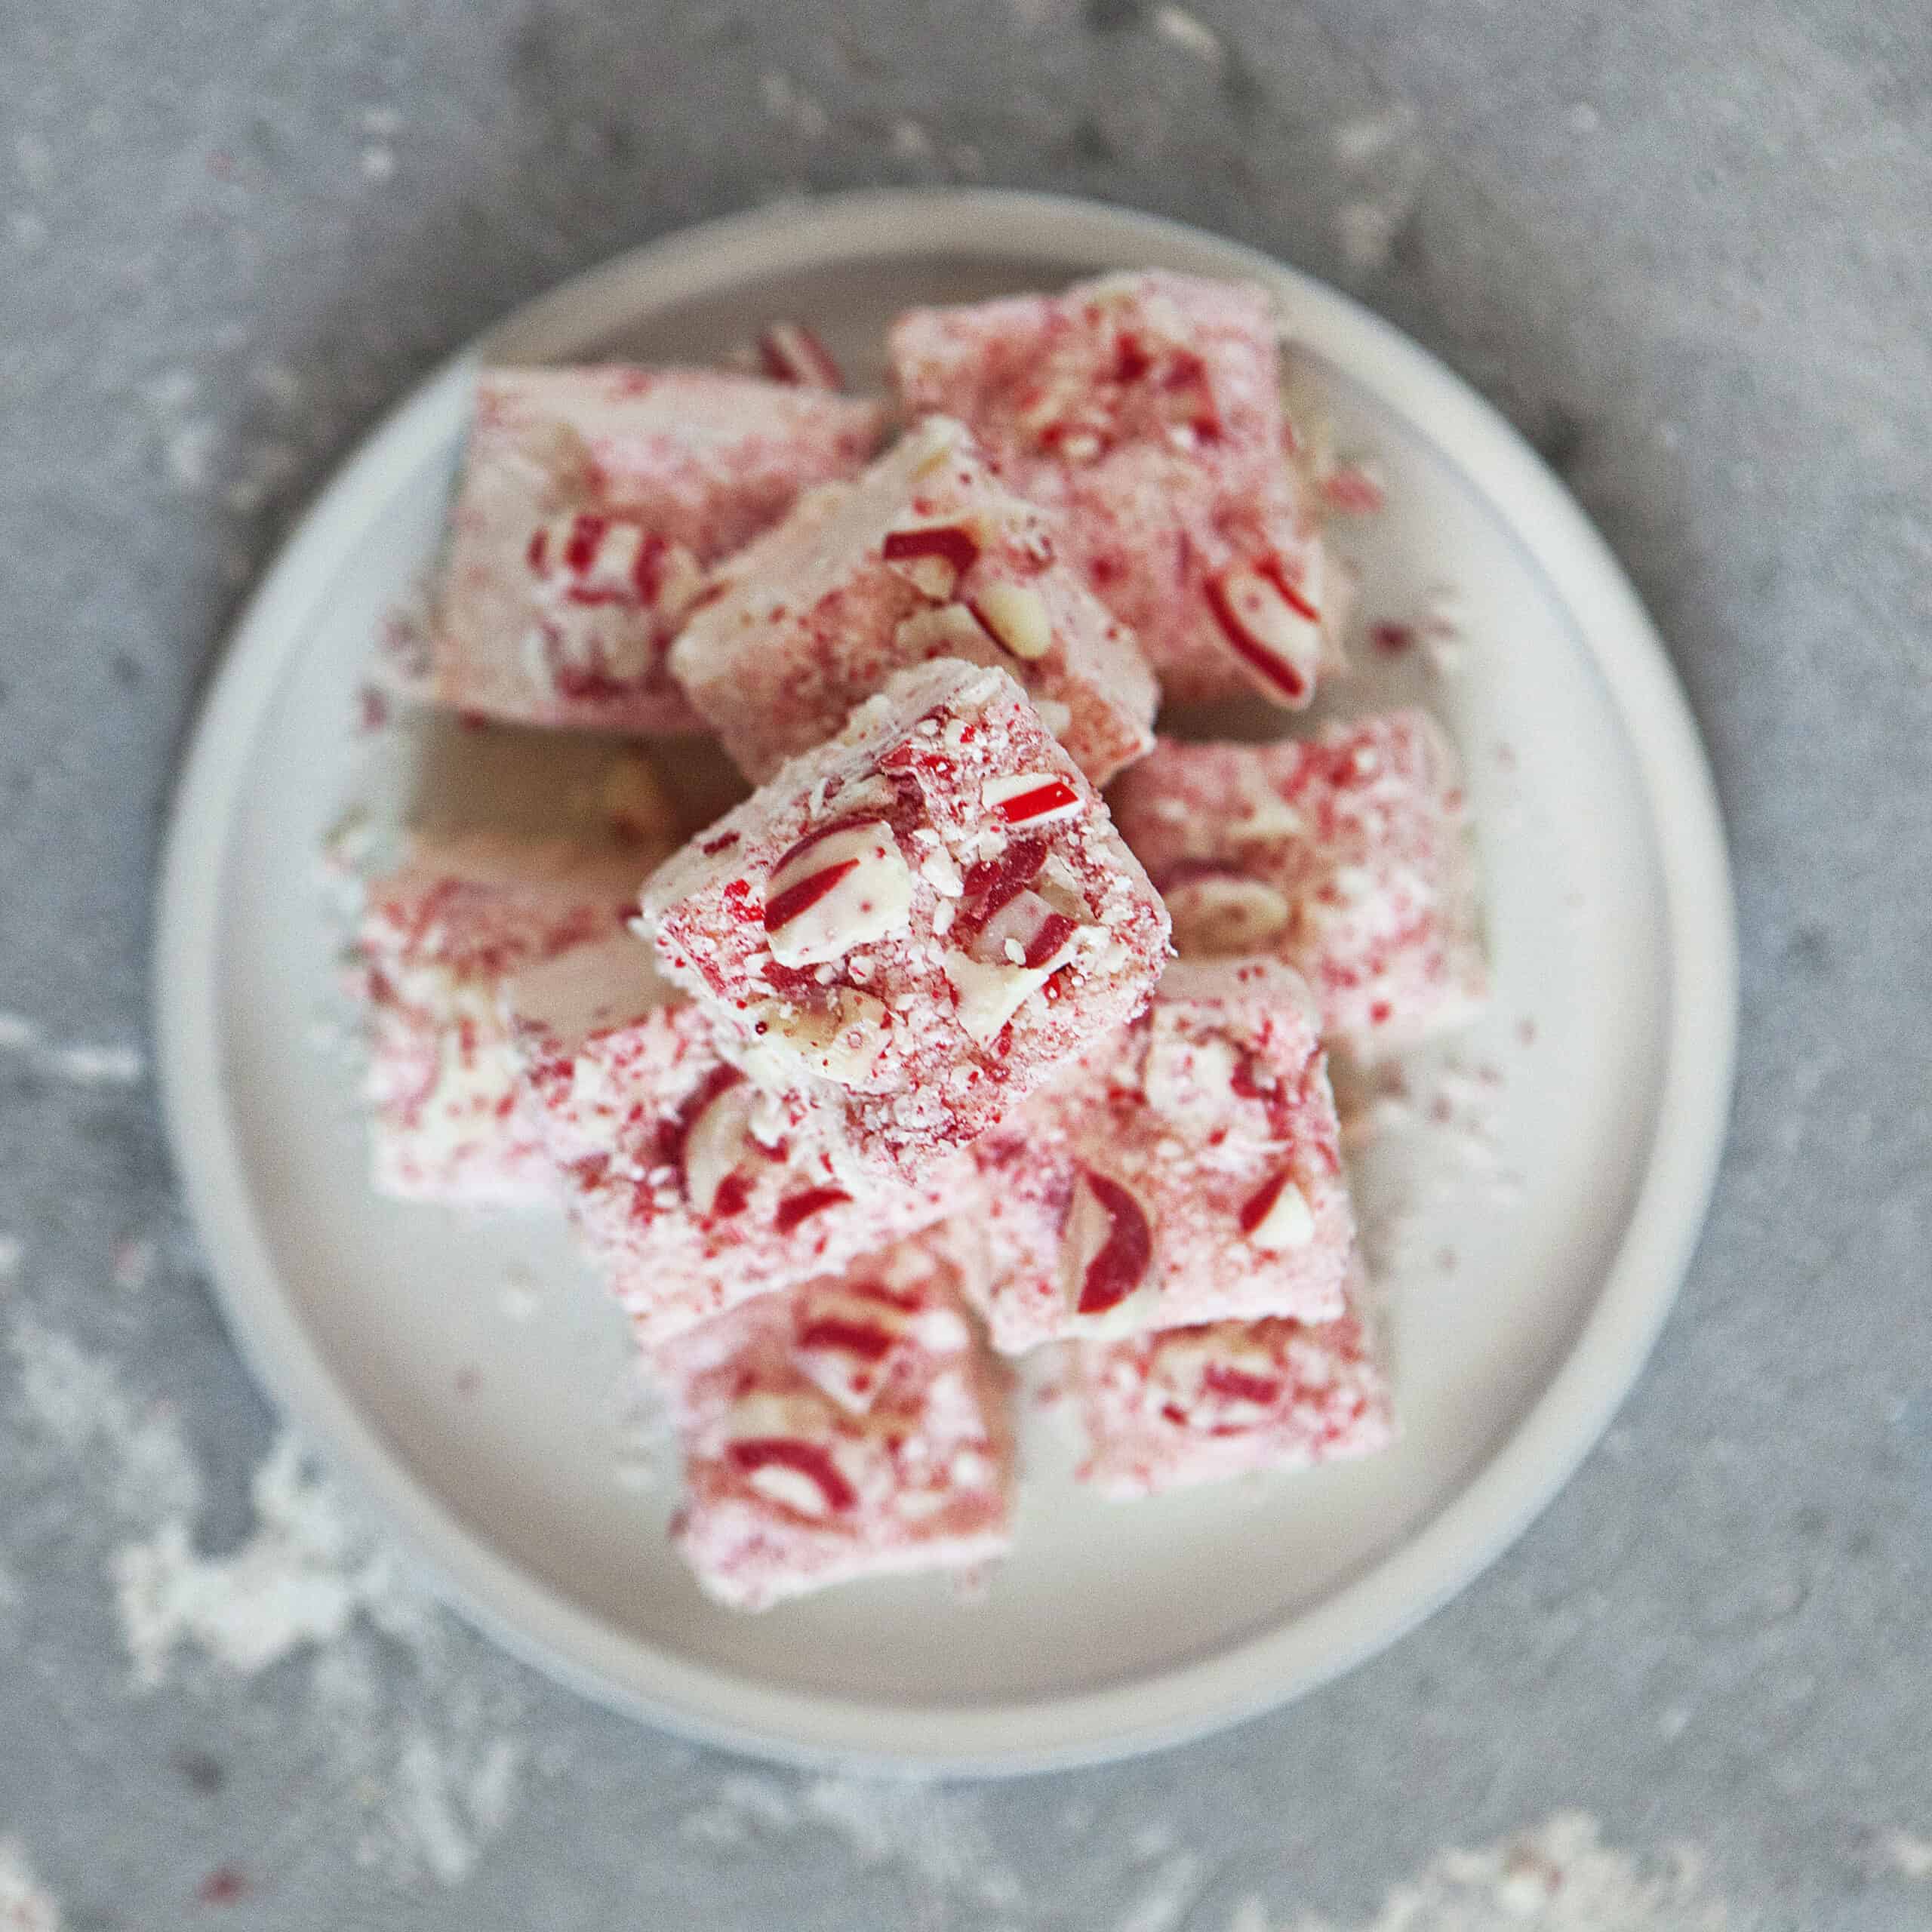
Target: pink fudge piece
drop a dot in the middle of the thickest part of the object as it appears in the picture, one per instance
(1186, 1171)
(1195, 1405)
(592, 502)
(920, 920)
(691, 1188)
(1146, 410)
(1348, 856)
(438, 938)
(925, 556)
(852, 1428)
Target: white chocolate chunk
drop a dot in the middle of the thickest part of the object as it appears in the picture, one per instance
(1179, 1379)
(1187, 1079)
(991, 993)
(1288, 1224)
(1222, 913)
(1016, 614)
(870, 898)
(716, 1143)
(841, 1042)
(790, 1488)
(1031, 798)
(948, 629)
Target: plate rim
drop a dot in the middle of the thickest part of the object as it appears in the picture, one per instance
(1240, 1679)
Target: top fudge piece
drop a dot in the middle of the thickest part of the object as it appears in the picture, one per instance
(1146, 409)
(591, 503)
(1194, 1405)
(1348, 856)
(925, 556)
(439, 936)
(920, 920)
(692, 1189)
(852, 1428)
(1186, 1171)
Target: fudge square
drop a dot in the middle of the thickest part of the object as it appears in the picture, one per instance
(691, 1188)
(852, 1428)
(1201, 1404)
(437, 939)
(1186, 1171)
(920, 920)
(925, 556)
(591, 502)
(1348, 856)
(1146, 409)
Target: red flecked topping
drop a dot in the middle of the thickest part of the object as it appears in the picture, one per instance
(1116, 1271)
(810, 1460)
(587, 531)
(791, 352)
(992, 882)
(780, 912)
(851, 1338)
(671, 1134)
(1255, 1208)
(722, 843)
(1276, 572)
(955, 544)
(1284, 677)
(1238, 1385)
(1055, 931)
(1055, 795)
(1131, 361)
(802, 1206)
(648, 573)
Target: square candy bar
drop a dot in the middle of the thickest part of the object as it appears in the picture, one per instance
(1147, 410)
(692, 1189)
(1194, 1405)
(922, 920)
(591, 503)
(438, 938)
(852, 1428)
(925, 556)
(1186, 1171)
(1348, 856)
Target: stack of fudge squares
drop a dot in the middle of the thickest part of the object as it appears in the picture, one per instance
(921, 1058)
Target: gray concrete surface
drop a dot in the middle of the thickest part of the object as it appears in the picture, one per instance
(1685, 246)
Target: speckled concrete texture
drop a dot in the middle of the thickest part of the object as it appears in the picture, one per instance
(1685, 247)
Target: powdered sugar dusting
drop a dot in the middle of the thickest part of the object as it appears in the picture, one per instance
(89, 1066)
(82, 1063)
(24, 1906)
(1175, 24)
(451, 1809)
(937, 1833)
(1164, 1895)
(299, 1579)
(78, 1400)
(1908, 1855)
(412, 1724)
(438, 1770)
(1558, 1878)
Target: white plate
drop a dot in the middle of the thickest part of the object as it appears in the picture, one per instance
(495, 1444)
